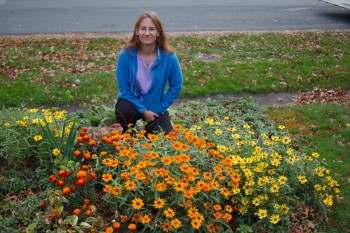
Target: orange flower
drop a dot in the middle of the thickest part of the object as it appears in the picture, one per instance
(87, 155)
(66, 191)
(152, 137)
(145, 219)
(109, 230)
(132, 227)
(107, 189)
(116, 225)
(217, 215)
(88, 213)
(165, 226)
(147, 146)
(169, 213)
(196, 223)
(176, 223)
(77, 153)
(159, 203)
(107, 177)
(166, 160)
(161, 187)
(227, 217)
(81, 174)
(130, 185)
(137, 204)
(77, 211)
(177, 127)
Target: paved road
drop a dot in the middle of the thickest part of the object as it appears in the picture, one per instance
(89, 16)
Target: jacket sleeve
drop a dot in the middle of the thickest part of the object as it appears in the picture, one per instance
(126, 83)
(175, 84)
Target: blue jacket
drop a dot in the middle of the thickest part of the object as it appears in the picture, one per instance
(166, 81)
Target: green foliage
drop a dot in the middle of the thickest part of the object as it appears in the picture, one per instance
(17, 214)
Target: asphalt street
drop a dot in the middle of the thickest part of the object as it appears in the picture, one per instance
(116, 16)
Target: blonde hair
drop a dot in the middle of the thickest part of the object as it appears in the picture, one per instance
(161, 39)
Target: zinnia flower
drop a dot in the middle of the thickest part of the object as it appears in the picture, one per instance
(137, 204)
(275, 218)
(56, 151)
(159, 203)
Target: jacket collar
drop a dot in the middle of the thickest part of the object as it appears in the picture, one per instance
(133, 52)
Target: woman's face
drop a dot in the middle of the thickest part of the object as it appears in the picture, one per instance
(147, 32)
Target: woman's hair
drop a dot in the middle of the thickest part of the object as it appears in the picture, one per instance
(161, 39)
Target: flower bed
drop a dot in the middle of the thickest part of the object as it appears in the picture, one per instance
(225, 167)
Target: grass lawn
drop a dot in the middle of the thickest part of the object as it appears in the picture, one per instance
(59, 70)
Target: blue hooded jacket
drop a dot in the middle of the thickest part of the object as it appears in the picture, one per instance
(166, 81)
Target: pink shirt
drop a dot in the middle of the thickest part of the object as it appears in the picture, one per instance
(143, 76)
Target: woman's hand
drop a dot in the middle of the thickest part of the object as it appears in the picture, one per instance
(149, 116)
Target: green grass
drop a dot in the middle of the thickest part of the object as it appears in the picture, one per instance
(81, 69)
(323, 128)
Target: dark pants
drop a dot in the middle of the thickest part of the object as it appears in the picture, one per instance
(127, 115)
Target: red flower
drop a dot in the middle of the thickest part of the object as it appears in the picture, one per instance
(60, 183)
(63, 173)
(92, 175)
(53, 179)
(81, 182)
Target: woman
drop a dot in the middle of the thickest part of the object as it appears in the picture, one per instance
(149, 77)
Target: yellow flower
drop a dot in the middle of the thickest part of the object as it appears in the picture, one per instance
(275, 218)
(137, 204)
(32, 110)
(209, 121)
(282, 180)
(286, 140)
(328, 201)
(274, 188)
(7, 124)
(262, 213)
(38, 138)
(302, 179)
(281, 127)
(56, 151)
(218, 132)
(284, 208)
